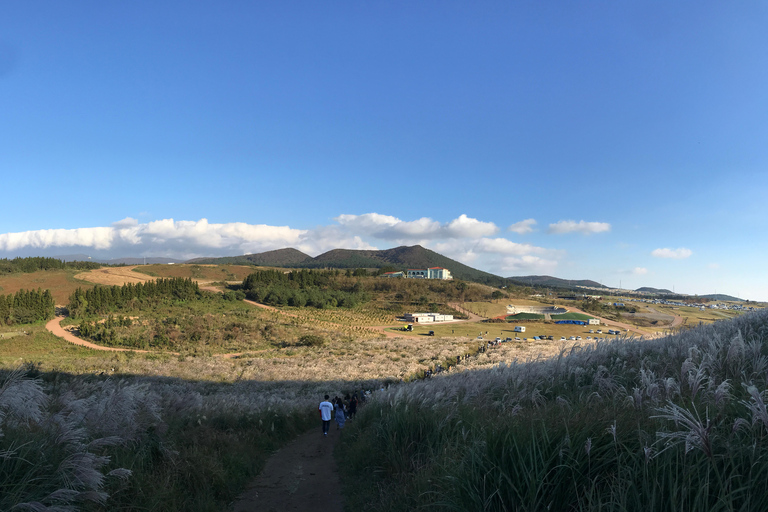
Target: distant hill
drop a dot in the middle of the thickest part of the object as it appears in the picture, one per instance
(720, 296)
(554, 282)
(657, 291)
(280, 258)
(401, 258)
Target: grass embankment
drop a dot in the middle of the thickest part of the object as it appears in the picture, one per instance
(678, 423)
(524, 317)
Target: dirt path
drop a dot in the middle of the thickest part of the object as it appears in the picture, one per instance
(472, 316)
(54, 326)
(301, 476)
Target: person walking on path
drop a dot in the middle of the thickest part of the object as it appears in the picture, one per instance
(325, 414)
(340, 416)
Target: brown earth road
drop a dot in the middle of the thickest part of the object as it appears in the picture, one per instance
(301, 476)
(677, 320)
(472, 317)
(54, 326)
(378, 328)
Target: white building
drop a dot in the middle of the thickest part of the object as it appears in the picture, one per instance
(594, 321)
(421, 318)
(429, 273)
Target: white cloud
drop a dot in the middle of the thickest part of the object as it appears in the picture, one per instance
(522, 227)
(585, 228)
(639, 271)
(386, 227)
(714, 266)
(127, 222)
(504, 246)
(467, 227)
(464, 239)
(528, 264)
(676, 254)
(179, 238)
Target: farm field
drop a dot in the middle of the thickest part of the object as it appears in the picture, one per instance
(197, 272)
(694, 315)
(61, 283)
(497, 308)
(505, 330)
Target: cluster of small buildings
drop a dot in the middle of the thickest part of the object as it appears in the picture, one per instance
(701, 306)
(425, 318)
(591, 321)
(419, 273)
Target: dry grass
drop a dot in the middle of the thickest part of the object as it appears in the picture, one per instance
(506, 330)
(197, 272)
(61, 283)
(113, 276)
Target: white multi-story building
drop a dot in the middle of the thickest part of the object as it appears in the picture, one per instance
(429, 273)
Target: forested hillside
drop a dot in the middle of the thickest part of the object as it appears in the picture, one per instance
(33, 264)
(25, 306)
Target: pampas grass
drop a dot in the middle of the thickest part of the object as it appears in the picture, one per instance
(676, 423)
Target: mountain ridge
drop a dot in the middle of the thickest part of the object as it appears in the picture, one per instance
(398, 258)
(554, 282)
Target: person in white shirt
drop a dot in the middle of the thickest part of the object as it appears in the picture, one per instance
(326, 408)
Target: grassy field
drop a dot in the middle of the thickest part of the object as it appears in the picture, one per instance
(203, 422)
(504, 330)
(61, 283)
(622, 426)
(198, 272)
(692, 316)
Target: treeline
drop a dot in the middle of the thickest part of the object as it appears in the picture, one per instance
(33, 264)
(303, 288)
(102, 299)
(26, 307)
(104, 331)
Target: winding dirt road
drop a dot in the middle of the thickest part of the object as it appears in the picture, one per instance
(54, 326)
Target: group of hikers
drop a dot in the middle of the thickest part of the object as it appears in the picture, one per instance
(340, 408)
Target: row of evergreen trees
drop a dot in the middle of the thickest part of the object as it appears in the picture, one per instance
(302, 288)
(26, 307)
(33, 264)
(103, 299)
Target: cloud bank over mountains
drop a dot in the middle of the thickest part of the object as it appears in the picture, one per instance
(464, 238)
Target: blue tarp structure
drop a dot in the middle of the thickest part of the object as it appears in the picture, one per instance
(574, 322)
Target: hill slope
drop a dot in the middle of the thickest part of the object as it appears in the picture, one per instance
(721, 296)
(659, 291)
(280, 258)
(554, 282)
(401, 258)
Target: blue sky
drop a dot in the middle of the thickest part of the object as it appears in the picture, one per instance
(623, 142)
